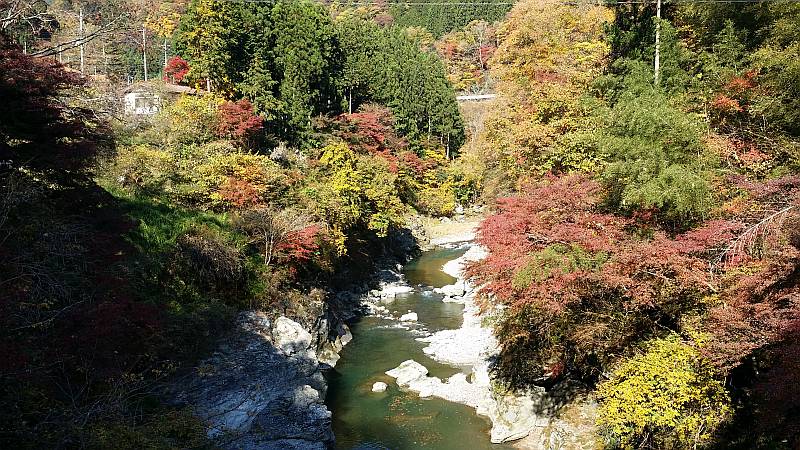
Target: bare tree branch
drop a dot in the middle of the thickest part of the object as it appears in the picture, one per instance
(52, 51)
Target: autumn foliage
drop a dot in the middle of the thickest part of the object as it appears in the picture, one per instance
(37, 127)
(238, 121)
(586, 284)
(176, 69)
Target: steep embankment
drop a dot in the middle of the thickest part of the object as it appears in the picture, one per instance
(263, 387)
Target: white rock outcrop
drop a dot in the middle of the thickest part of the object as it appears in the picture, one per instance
(290, 337)
(256, 396)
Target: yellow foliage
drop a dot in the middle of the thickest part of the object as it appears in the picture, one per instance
(163, 22)
(667, 397)
(354, 190)
(264, 175)
(437, 201)
(189, 119)
(549, 51)
(142, 167)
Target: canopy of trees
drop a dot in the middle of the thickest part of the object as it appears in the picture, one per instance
(648, 244)
(295, 62)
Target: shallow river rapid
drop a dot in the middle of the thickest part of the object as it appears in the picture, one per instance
(394, 419)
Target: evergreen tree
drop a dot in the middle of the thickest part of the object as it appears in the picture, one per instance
(440, 17)
(306, 64)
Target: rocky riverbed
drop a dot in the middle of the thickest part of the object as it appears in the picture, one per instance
(540, 419)
(263, 387)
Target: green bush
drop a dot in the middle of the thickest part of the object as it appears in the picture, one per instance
(556, 258)
(657, 160)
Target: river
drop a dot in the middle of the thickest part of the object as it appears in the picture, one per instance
(394, 419)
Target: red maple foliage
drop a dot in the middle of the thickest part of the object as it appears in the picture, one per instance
(370, 130)
(37, 127)
(448, 50)
(485, 53)
(581, 287)
(300, 246)
(238, 121)
(239, 193)
(740, 84)
(757, 309)
(415, 165)
(176, 69)
(725, 104)
(759, 303)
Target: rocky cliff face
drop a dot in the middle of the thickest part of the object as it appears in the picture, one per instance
(263, 387)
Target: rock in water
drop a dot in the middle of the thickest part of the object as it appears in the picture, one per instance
(379, 386)
(329, 353)
(407, 372)
(454, 290)
(410, 317)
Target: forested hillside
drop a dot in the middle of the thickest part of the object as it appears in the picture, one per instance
(312, 136)
(643, 227)
(649, 245)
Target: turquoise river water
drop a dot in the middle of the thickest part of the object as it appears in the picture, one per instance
(395, 419)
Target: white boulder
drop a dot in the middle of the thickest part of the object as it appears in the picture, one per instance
(408, 372)
(392, 290)
(290, 337)
(452, 290)
(514, 415)
(379, 386)
(409, 317)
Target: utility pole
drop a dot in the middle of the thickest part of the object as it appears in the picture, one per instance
(657, 68)
(80, 30)
(165, 52)
(144, 52)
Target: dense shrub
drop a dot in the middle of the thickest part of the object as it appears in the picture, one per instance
(579, 286)
(189, 120)
(664, 398)
(437, 201)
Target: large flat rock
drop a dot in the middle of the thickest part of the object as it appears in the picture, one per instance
(256, 395)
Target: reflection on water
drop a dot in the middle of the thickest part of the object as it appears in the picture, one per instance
(397, 420)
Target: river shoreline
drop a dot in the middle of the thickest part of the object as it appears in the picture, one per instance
(264, 386)
(532, 418)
